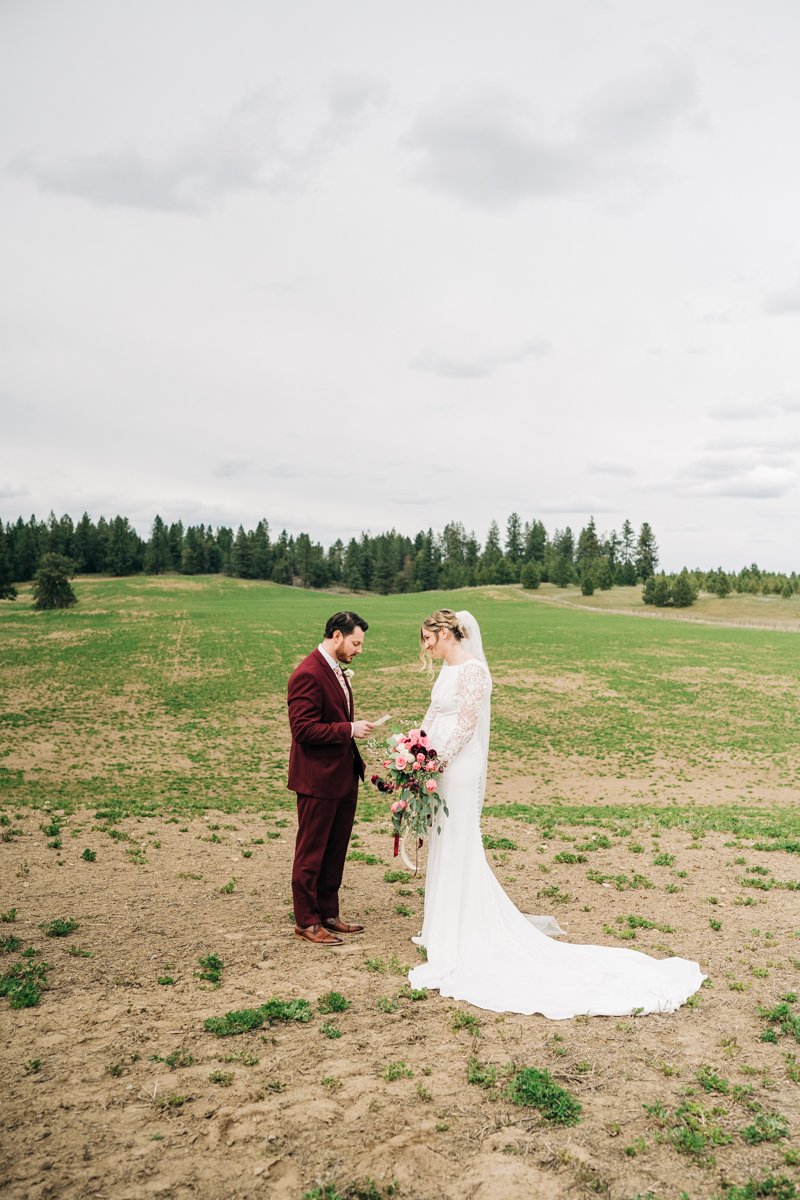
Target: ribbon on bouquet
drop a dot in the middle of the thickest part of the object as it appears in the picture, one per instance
(396, 844)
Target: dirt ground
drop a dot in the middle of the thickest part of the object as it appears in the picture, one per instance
(91, 1109)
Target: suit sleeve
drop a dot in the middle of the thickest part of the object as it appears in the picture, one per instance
(305, 713)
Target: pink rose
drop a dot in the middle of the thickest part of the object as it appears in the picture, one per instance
(421, 758)
(387, 762)
(401, 762)
(413, 735)
(396, 806)
(429, 766)
(416, 766)
(430, 785)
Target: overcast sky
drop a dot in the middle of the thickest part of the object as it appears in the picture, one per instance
(355, 266)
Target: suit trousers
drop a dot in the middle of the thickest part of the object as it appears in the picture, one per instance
(323, 835)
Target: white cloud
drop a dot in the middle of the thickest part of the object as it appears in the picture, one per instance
(250, 149)
(479, 366)
(489, 149)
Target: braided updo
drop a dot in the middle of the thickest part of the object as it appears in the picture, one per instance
(443, 618)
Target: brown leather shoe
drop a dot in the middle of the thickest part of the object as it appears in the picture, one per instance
(340, 926)
(317, 935)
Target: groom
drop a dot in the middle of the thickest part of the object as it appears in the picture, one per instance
(324, 769)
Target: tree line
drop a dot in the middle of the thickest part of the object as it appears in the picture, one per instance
(524, 552)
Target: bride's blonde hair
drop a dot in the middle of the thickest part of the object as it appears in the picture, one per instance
(443, 618)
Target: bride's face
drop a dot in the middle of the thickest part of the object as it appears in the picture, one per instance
(433, 641)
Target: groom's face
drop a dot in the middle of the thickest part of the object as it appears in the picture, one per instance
(347, 645)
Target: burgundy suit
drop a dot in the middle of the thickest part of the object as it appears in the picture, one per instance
(324, 769)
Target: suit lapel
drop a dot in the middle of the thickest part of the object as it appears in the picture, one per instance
(334, 687)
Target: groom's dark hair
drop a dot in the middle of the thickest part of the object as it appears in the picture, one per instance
(345, 622)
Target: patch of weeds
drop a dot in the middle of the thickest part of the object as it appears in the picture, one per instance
(423, 1093)
(497, 843)
(387, 1004)
(228, 888)
(371, 860)
(375, 964)
(172, 1101)
(664, 860)
(78, 952)
(396, 1070)
(464, 1020)
(332, 1002)
(52, 830)
(553, 892)
(402, 910)
(638, 1146)
(767, 1127)
(598, 841)
(566, 856)
(792, 1067)
(244, 1057)
(176, 1058)
(59, 927)
(397, 877)
(188, 875)
(711, 1082)
(223, 1078)
(621, 882)
(415, 994)
(715, 924)
(331, 1082)
(691, 1129)
(212, 968)
(33, 1066)
(247, 854)
(330, 1030)
(783, 1021)
(8, 918)
(137, 856)
(533, 1088)
(89, 855)
(245, 1019)
(481, 1075)
(10, 944)
(165, 980)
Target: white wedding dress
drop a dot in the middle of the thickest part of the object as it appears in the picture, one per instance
(480, 948)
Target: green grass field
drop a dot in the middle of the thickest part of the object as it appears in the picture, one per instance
(168, 694)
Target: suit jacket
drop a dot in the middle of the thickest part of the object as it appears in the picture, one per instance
(324, 760)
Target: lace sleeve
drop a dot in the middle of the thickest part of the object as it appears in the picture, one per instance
(471, 691)
(426, 720)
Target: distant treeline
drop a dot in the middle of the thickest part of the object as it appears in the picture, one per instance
(387, 562)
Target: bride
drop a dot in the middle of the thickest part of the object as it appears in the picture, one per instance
(480, 948)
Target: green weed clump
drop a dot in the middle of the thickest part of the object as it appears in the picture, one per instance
(767, 1127)
(361, 856)
(396, 1070)
(482, 1076)
(533, 1088)
(776, 1189)
(10, 944)
(59, 927)
(8, 918)
(89, 855)
(498, 843)
(332, 1002)
(244, 1020)
(782, 1020)
(212, 966)
(23, 984)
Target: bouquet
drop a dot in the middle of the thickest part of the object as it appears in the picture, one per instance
(412, 766)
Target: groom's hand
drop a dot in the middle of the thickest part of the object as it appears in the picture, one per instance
(362, 729)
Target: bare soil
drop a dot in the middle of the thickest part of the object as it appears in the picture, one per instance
(90, 1109)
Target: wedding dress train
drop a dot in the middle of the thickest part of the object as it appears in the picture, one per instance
(480, 948)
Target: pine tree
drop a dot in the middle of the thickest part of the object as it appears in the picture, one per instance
(646, 552)
(51, 586)
(7, 589)
(158, 558)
